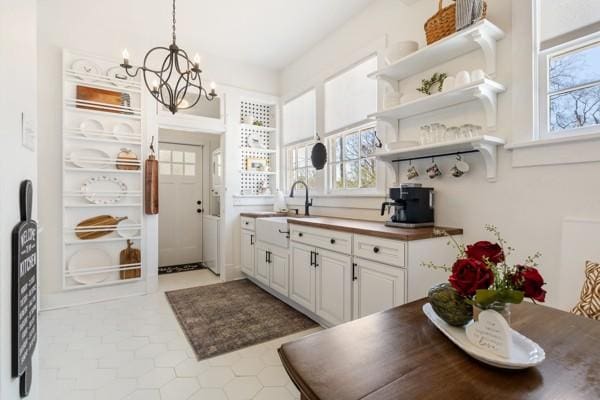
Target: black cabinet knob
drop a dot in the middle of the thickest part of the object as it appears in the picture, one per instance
(199, 210)
(199, 202)
(332, 241)
(375, 249)
(300, 234)
(246, 223)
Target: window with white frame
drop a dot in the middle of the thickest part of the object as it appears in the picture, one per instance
(352, 164)
(570, 88)
(350, 96)
(299, 165)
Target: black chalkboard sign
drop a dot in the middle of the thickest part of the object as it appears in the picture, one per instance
(24, 290)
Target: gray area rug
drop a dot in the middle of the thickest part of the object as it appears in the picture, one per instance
(225, 317)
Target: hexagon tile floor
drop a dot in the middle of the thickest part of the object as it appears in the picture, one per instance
(134, 349)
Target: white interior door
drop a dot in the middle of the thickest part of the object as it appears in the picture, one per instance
(180, 202)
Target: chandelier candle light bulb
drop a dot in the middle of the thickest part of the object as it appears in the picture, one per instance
(174, 78)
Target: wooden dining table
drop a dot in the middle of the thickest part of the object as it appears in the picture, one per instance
(400, 354)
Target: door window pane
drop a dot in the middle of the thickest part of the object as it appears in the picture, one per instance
(177, 156)
(190, 170)
(164, 168)
(190, 157)
(164, 155)
(177, 169)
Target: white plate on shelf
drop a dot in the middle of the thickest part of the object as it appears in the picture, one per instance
(104, 189)
(117, 75)
(123, 130)
(128, 228)
(91, 128)
(526, 353)
(90, 158)
(254, 141)
(84, 66)
(86, 259)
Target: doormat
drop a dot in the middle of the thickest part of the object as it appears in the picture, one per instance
(225, 317)
(180, 268)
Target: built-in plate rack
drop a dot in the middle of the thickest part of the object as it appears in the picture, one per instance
(95, 131)
(258, 141)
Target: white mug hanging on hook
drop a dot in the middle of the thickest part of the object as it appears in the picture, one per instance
(460, 168)
(434, 171)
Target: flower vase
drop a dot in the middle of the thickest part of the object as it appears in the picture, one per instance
(502, 308)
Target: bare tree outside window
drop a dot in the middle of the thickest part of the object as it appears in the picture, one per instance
(574, 89)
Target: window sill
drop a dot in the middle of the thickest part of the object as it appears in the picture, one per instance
(556, 151)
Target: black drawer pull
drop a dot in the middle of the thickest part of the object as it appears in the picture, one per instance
(375, 250)
(332, 241)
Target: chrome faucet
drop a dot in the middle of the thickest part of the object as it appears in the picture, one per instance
(307, 204)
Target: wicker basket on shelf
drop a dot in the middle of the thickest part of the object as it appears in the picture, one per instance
(443, 23)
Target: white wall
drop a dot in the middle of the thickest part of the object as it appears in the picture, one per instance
(527, 204)
(19, 89)
(82, 25)
(561, 16)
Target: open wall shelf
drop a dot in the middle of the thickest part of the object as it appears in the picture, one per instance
(486, 145)
(484, 91)
(482, 35)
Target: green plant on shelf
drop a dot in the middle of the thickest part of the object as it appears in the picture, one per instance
(428, 85)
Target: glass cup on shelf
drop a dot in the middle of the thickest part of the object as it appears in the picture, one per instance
(477, 130)
(435, 129)
(441, 134)
(466, 131)
(453, 133)
(424, 136)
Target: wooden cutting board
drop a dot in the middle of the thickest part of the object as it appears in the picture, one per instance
(86, 229)
(151, 186)
(113, 100)
(130, 255)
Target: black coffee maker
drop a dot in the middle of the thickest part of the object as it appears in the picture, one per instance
(412, 206)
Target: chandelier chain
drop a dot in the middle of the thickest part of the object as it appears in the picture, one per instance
(174, 36)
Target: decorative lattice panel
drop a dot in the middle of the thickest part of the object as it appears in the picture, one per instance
(261, 112)
(252, 182)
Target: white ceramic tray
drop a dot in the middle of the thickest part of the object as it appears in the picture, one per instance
(526, 353)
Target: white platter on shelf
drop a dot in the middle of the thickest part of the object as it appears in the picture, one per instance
(84, 66)
(104, 190)
(90, 158)
(128, 229)
(123, 130)
(526, 353)
(91, 127)
(87, 259)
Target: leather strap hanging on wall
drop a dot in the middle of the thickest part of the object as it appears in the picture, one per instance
(151, 182)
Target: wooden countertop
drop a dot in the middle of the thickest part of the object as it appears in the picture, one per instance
(372, 228)
(400, 354)
(263, 214)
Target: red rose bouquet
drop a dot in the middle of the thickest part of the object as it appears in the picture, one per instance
(482, 276)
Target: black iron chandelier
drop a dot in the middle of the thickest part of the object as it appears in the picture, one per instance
(177, 69)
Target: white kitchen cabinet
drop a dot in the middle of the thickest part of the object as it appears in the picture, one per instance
(377, 287)
(302, 276)
(261, 270)
(279, 270)
(248, 240)
(334, 286)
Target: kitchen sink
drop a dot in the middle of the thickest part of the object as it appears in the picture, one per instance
(269, 230)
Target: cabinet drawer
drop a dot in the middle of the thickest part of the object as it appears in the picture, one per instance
(322, 238)
(381, 250)
(248, 223)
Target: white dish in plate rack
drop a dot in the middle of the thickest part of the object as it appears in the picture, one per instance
(84, 66)
(104, 189)
(123, 130)
(90, 158)
(119, 74)
(91, 127)
(128, 229)
(89, 258)
(526, 353)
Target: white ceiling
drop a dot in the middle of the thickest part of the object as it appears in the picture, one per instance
(269, 33)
